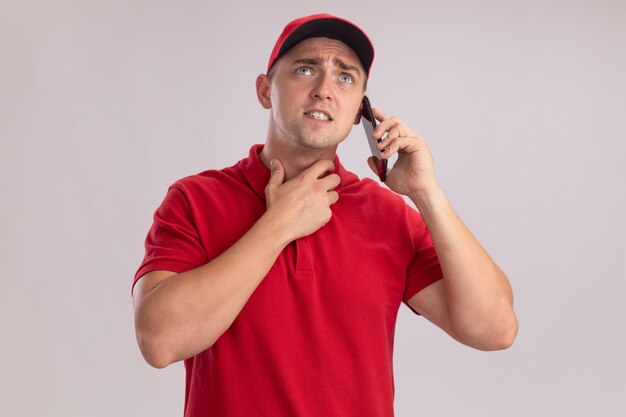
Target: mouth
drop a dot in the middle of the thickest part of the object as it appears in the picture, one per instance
(319, 115)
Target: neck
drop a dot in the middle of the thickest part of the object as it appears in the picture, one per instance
(295, 161)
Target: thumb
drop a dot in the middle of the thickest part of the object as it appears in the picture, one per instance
(277, 174)
(372, 161)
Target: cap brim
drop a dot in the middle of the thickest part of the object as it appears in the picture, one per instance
(333, 28)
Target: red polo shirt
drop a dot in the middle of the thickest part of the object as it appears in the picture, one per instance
(316, 337)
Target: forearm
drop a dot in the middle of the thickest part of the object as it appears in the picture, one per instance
(186, 313)
(180, 315)
(478, 294)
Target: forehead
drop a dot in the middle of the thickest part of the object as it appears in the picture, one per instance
(325, 49)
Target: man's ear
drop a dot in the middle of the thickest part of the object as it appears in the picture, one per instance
(263, 91)
(357, 120)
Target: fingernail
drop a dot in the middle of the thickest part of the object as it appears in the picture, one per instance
(273, 163)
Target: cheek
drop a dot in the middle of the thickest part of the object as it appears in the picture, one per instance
(279, 105)
(353, 106)
(283, 99)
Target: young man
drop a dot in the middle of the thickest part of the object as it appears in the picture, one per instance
(264, 277)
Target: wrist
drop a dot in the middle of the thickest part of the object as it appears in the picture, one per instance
(273, 227)
(428, 200)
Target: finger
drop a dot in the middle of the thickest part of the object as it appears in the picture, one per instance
(332, 197)
(277, 174)
(388, 125)
(388, 122)
(319, 168)
(406, 145)
(391, 148)
(380, 117)
(331, 181)
(379, 114)
(398, 130)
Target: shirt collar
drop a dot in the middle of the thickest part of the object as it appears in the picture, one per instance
(258, 175)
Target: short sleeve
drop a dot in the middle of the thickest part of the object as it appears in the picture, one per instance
(424, 269)
(173, 242)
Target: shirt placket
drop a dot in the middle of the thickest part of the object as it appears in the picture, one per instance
(302, 249)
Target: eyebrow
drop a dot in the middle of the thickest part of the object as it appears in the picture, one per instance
(316, 61)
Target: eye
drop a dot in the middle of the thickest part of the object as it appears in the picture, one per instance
(346, 78)
(304, 71)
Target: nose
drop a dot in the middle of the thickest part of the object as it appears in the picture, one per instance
(323, 88)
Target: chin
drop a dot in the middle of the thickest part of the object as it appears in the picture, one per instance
(318, 143)
(315, 141)
(321, 145)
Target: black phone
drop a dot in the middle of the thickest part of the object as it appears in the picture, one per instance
(369, 123)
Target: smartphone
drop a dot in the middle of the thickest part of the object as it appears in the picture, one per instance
(369, 123)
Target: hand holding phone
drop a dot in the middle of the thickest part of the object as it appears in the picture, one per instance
(369, 123)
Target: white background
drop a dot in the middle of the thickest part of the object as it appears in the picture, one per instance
(104, 103)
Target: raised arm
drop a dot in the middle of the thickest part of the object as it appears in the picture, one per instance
(180, 315)
(474, 301)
